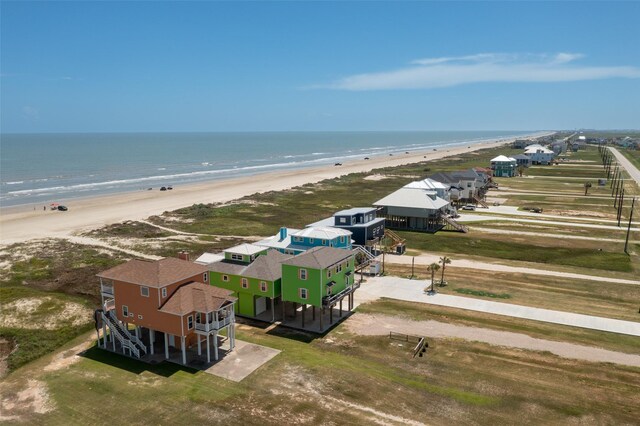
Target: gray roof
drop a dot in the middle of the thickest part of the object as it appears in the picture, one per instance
(355, 210)
(320, 257)
(412, 198)
(520, 157)
(265, 267)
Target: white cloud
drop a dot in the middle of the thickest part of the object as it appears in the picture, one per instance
(432, 73)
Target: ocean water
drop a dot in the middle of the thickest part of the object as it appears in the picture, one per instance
(42, 168)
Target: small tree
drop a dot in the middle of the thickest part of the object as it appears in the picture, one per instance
(520, 170)
(587, 185)
(445, 261)
(433, 268)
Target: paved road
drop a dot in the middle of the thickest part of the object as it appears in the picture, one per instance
(413, 291)
(426, 259)
(629, 167)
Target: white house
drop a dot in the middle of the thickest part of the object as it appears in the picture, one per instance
(539, 155)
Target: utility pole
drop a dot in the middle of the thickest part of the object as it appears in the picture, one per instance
(626, 241)
(620, 204)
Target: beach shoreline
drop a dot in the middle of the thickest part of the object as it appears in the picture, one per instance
(29, 221)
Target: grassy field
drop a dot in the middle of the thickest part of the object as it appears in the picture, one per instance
(339, 379)
(603, 299)
(421, 312)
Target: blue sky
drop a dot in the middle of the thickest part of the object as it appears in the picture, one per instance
(254, 66)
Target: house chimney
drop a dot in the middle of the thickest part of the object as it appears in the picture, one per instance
(283, 233)
(184, 255)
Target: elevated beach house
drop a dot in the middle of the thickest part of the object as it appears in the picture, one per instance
(296, 241)
(522, 160)
(413, 208)
(503, 166)
(365, 226)
(539, 154)
(464, 186)
(320, 278)
(170, 305)
(254, 275)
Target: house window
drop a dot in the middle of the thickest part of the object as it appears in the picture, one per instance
(199, 318)
(342, 239)
(144, 291)
(205, 277)
(225, 278)
(302, 274)
(125, 311)
(190, 322)
(245, 283)
(328, 273)
(302, 292)
(164, 292)
(263, 286)
(343, 220)
(311, 240)
(139, 316)
(324, 242)
(236, 256)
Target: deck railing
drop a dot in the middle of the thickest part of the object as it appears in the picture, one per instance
(106, 289)
(214, 325)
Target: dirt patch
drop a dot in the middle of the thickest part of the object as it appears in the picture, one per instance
(376, 177)
(577, 213)
(33, 313)
(69, 357)
(33, 398)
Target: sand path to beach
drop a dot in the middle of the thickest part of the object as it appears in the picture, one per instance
(23, 223)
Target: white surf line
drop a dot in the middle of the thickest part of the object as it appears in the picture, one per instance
(537, 234)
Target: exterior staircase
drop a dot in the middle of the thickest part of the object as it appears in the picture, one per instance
(122, 335)
(397, 243)
(365, 255)
(452, 225)
(481, 202)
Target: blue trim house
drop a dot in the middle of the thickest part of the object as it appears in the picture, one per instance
(296, 241)
(362, 222)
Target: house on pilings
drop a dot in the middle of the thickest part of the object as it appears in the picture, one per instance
(161, 310)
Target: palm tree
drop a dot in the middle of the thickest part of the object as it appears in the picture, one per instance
(587, 185)
(433, 268)
(445, 261)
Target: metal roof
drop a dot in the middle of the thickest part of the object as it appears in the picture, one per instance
(412, 198)
(246, 249)
(208, 258)
(426, 184)
(322, 232)
(502, 159)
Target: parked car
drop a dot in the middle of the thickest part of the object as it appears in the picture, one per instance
(338, 164)
(169, 188)
(469, 207)
(62, 208)
(164, 188)
(366, 158)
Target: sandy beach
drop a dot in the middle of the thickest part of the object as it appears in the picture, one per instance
(22, 223)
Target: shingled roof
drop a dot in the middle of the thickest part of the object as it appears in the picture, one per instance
(264, 267)
(197, 297)
(320, 257)
(154, 273)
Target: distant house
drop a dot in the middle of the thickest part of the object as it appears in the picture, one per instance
(522, 143)
(627, 142)
(464, 186)
(503, 166)
(558, 147)
(296, 241)
(539, 154)
(365, 227)
(166, 300)
(321, 278)
(413, 209)
(522, 160)
(253, 273)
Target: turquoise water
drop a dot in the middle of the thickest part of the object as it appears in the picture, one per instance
(38, 168)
